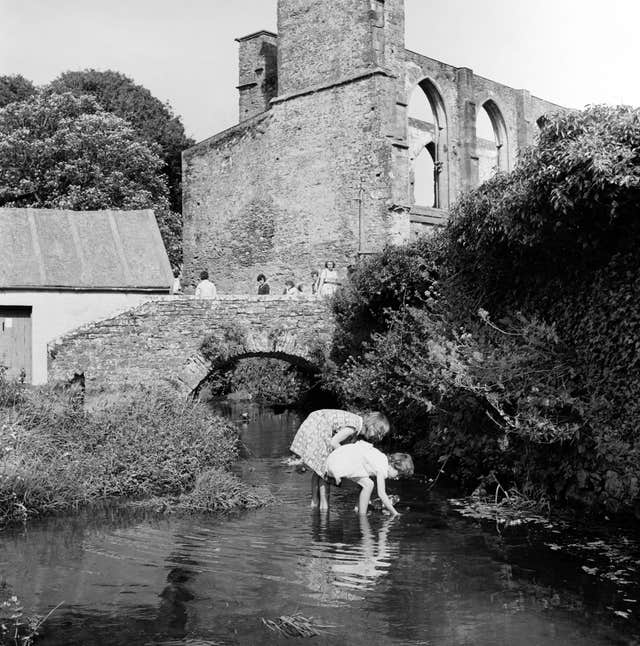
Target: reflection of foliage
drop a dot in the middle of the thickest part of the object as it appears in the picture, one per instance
(545, 392)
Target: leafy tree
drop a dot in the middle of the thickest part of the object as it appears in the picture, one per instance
(63, 151)
(15, 88)
(151, 118)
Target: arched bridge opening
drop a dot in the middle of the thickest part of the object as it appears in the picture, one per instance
(264, 377)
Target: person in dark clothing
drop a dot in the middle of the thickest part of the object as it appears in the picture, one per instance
(263, 285)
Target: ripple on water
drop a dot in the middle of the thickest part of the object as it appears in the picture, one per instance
(426, 578)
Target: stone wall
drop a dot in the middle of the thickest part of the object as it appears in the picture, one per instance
(279, 194)
(159, 341)
(325, 171)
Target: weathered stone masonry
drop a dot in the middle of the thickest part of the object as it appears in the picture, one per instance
(159, 342)
(320, 165)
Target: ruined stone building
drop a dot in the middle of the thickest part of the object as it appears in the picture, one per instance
(346, 141)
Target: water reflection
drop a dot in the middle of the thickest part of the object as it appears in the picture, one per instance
(426, 577)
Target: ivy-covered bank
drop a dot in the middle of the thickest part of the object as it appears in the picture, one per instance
(508, 345)
(58, 454)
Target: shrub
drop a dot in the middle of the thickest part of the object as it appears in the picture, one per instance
(219, 490)
(57, 456)
(545, 392)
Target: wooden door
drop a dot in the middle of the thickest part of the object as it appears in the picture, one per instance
(15, 342)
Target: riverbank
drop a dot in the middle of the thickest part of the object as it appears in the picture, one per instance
(57, 454)
(136, 577)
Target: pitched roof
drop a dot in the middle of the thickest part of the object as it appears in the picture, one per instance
(51, 248)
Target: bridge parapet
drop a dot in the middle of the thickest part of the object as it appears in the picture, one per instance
(161, 341)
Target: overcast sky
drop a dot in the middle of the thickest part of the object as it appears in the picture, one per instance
(571, 52)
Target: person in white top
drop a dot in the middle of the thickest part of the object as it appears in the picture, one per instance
(360, 461)
(205, 288)
(329, 282)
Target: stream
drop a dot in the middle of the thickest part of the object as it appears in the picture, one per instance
(430, 577)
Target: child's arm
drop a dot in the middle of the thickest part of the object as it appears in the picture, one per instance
(341, 436)
(382, 493)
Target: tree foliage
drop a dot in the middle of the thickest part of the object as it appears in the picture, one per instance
(150, 117)
(15, 88)
(61, 151)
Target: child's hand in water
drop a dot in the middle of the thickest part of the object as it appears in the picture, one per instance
(377, 503)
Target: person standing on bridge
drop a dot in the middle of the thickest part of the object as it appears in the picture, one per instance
(325, 430)
(329, 280)
(263, 285)
(205, 288)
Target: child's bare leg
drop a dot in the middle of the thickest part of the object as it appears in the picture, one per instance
(366, 485)
(315, 489)
(324, 495)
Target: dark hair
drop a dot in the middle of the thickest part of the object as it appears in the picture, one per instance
(261, 277)
(402, 463)
(289, 283)
(326, 264)
(176, 272)
(204, 274)
(314, 272)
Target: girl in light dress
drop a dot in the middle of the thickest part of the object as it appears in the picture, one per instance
(359, 462)
(322, 432)
(329, 280)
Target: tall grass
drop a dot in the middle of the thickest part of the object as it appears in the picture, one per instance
(56, 455)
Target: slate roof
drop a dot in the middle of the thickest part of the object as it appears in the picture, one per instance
(100, 250)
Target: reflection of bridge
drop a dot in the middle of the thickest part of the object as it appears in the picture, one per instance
(161, 341)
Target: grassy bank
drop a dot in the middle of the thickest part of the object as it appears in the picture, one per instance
(56, 454)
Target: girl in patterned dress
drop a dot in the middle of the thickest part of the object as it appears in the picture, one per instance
(322, 432)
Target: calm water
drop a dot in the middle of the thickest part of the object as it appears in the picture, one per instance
(428, 577)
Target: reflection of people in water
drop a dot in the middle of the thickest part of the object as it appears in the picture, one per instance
(369, 560)
(348, 557)
(173, 610)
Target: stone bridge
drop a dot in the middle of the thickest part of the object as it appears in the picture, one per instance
(181, 340)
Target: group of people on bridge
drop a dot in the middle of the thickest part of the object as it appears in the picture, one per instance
(323, 284)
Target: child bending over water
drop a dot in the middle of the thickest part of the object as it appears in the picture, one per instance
(360, 461)
(322, 432)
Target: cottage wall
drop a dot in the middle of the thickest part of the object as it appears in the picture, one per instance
(55, 313)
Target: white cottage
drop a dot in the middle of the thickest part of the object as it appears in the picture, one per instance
(63, 269)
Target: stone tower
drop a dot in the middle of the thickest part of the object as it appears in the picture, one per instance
(320, 165)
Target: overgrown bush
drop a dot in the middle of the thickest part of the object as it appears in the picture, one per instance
(508, 345)
(57, 456)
